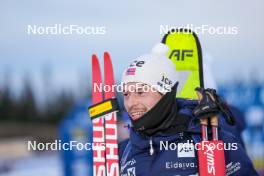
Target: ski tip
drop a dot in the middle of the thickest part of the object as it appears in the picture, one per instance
(94, 57)
(106, 55)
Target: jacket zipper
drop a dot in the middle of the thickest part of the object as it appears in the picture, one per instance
(151, 150)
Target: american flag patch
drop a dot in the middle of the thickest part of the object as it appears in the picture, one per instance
(131, 71)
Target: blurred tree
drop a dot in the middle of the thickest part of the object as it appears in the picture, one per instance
(6, 100)
(25, 108)
(56, 109)
(27, 104)
(5, 103)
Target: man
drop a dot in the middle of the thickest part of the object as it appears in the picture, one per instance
(160, 122)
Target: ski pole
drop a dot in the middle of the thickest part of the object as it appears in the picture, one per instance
(214, 124)
(203, 122)
(211, 157)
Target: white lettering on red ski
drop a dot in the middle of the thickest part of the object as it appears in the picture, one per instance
(99, 170)
(113, 169)
(111, 144)
(210, 160)
(99, 147)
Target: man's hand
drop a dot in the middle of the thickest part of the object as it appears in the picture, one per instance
(207, 106)
(210, 105)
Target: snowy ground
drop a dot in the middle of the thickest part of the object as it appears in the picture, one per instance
(44, 164)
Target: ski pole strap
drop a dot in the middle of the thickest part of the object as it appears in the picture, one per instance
(103, 108)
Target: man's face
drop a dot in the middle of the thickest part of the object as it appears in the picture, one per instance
(139, 99)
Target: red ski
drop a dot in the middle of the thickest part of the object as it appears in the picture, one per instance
(112, 164)
(99, 168)
(103, 113)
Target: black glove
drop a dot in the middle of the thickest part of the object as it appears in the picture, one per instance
(211, 104)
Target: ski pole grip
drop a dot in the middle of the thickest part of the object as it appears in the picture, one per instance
(205, 120)
(214, 121)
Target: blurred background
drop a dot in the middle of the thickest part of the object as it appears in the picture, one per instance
(45, 78)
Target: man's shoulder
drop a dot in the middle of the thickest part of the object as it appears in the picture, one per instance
(186, 106)
(186, 103)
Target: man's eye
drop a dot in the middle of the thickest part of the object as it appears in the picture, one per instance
(125, 94)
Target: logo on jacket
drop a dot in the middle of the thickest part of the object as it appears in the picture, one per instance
(131, 171)
(185, 150)
(180, 165)
(232, 168)
(127, 169)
